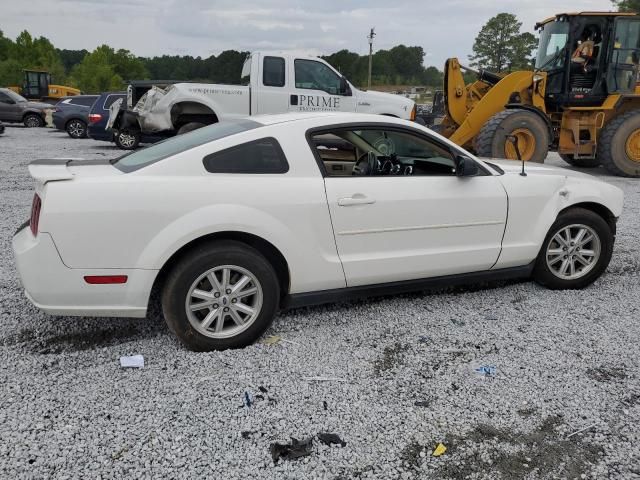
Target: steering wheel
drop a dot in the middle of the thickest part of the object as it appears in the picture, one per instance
(367, 164)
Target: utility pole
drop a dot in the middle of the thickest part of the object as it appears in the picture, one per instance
(370, 37)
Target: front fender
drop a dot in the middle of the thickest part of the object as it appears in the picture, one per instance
(534, 205)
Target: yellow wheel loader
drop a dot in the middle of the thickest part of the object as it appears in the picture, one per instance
(37, 86)
(582, 99)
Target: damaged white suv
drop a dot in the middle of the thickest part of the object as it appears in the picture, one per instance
(274, 83)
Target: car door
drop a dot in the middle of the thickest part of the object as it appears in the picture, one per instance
(420, 221)
(10, 111)
(272, 93)
(318, 88)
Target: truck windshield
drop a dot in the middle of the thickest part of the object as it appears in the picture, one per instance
(552, 47)
(174, 145)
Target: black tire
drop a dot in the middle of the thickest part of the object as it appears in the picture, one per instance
(196, 263)
(543, 275)
(190, 127)
(612, 145)
(33, 120)
(492, 138)
(76, 128)
(127, 139)
(580, 162)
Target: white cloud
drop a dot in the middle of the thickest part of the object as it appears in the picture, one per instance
(202, 27)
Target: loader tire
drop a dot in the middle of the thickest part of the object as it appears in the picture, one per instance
(528, 127)
(619, 145)
(580, 162)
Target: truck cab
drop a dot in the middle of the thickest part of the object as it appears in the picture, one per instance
(286, 82)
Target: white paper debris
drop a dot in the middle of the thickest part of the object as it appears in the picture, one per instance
(135, 361)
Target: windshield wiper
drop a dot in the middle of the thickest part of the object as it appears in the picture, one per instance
(555, 57)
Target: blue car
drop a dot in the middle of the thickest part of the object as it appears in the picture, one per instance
(99, 116)
(71, 113)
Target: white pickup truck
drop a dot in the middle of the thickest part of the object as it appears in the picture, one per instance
(274, 83)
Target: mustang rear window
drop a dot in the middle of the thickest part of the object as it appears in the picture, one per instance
(259, 156)
(178, 144)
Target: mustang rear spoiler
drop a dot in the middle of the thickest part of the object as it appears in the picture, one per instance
(55, 169)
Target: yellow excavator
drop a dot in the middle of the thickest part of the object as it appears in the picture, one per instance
(37, 86)
(582, 99)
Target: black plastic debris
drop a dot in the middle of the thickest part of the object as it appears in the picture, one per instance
(422, 403)
(291, 451)
(247, 400)
(325, 405)
(262, 389)
(331, 439)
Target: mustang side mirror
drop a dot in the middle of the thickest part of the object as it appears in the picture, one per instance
(344, 87)
(466, 167)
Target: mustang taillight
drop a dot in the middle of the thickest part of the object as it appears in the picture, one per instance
(36, 206)
(94, 117)
(105, 279)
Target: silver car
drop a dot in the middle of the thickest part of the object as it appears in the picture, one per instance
(15, 108)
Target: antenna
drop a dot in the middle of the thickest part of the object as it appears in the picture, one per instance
(514, 140)
(370, 38)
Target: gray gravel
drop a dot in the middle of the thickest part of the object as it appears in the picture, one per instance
(564, 361)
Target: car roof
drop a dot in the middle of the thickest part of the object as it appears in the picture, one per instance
(346, 117)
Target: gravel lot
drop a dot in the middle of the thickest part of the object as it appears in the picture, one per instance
(563, 361)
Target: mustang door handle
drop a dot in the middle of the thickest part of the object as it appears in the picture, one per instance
(357, 199)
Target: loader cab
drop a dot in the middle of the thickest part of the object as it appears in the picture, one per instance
(587, 57)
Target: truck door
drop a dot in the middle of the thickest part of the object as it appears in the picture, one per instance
(318, 88)
(272, 93)
(622, 72)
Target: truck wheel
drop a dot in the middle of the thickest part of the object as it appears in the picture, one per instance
(127, 139)
(619, 145)
(575, 252)
(530, 130)
(580, 162)
(189, 127)
(221, 295)
(76, 128)
(33, 120)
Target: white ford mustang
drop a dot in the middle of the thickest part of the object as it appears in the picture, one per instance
(234, 221)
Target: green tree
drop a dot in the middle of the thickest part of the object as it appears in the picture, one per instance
(28, 53)
(627, 5)
(500, 46)
(105, 69)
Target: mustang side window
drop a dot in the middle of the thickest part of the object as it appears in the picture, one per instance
(316, 76)
(259, 156)
(376, 152)
(273, 72)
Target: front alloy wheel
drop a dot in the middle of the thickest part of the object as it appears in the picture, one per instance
(573, 251)
(576, 251)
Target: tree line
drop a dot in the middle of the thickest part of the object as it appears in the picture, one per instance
(500, 47)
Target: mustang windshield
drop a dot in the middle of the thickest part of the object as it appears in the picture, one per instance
(174, 145)
(552, 47)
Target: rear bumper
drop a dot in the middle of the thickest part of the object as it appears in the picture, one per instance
(58, 290)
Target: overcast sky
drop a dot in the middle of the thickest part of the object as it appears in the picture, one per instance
(444, 28)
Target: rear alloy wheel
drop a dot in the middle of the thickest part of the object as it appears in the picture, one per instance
(619, 145)
(33, 120)
(527, 127)
(127, 139)
(221, 295)
(77, 128)
(580, 162)
(575, 252)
